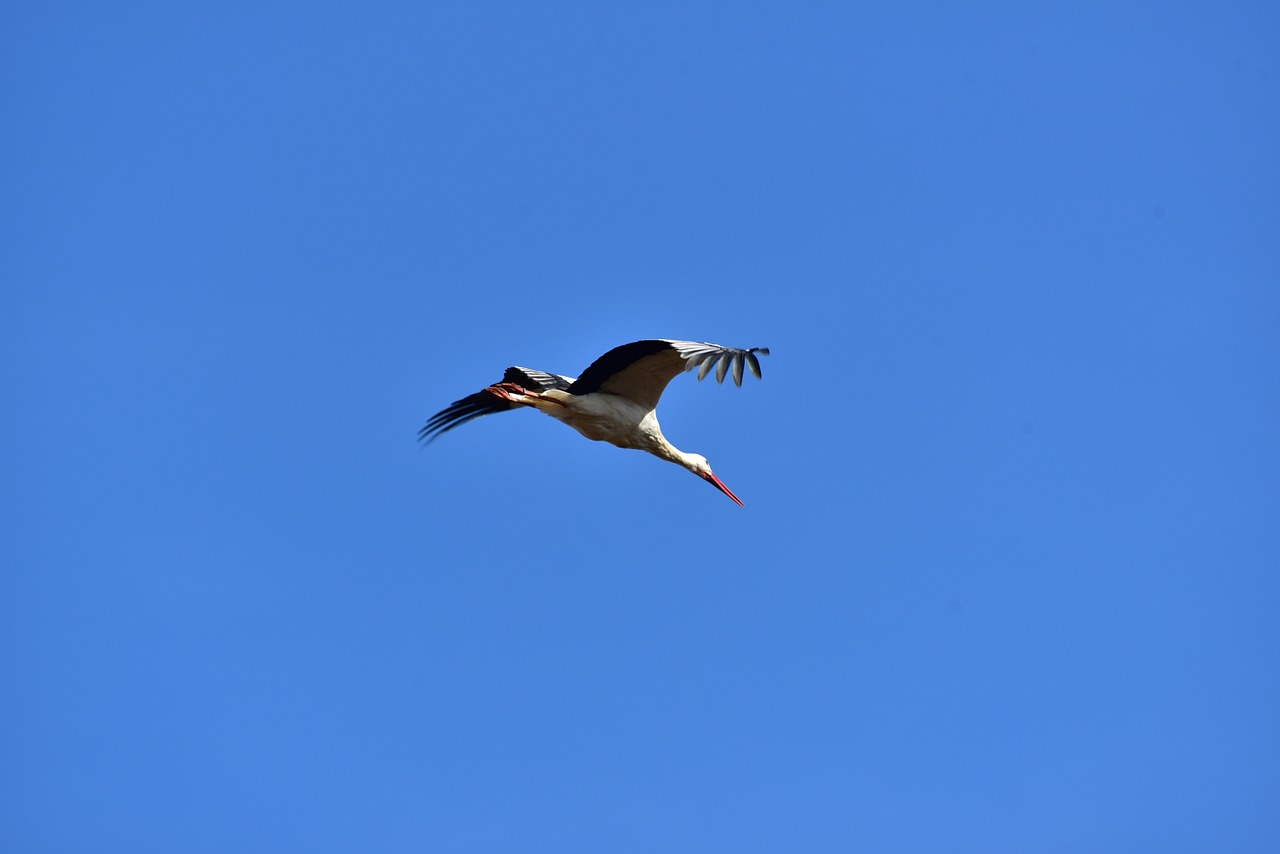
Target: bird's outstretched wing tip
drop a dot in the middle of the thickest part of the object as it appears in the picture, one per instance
(427, 435)
(460, 412)
(706, 357)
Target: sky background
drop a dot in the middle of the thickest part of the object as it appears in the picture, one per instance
(1008, 573)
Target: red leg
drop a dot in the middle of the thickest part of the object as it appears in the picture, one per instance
(505, 390)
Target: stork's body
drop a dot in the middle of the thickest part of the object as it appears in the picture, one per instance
(614, 400)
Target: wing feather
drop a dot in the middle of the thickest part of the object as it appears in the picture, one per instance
(482, 403)
(708, 362)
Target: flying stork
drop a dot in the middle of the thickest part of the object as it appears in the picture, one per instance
(614, 399)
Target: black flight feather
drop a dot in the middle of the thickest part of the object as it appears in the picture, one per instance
(482, 403)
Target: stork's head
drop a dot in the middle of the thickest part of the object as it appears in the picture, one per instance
(698, 465)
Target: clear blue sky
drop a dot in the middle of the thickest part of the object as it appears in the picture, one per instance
(1008, 574)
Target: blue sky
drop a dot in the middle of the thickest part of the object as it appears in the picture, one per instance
(1006, 578)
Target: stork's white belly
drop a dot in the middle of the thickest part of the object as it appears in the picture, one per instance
(609, 418)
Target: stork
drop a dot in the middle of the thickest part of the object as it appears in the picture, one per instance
(613, 401)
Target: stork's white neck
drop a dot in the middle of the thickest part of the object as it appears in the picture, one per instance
(668, 451)
(695, 463)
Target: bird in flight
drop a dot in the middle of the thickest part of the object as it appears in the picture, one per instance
(613, 401)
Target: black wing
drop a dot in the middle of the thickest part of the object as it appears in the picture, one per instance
(481, 403)
(618, 360)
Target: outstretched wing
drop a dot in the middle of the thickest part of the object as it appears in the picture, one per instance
(641, 370)
(481, 403)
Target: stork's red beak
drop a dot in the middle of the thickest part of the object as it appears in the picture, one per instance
(719, 484)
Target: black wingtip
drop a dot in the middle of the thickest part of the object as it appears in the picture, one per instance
(460, 412)
(727, 361)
